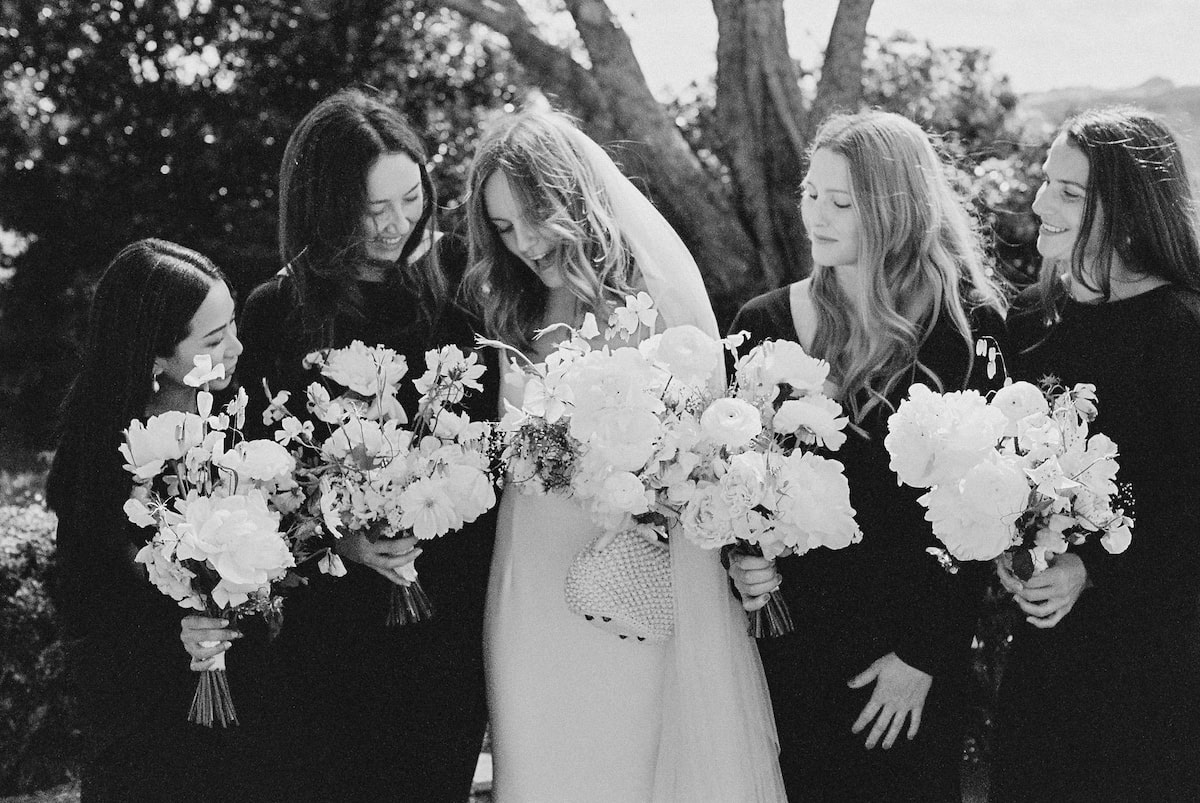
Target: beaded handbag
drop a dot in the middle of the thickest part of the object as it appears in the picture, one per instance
(624, 588)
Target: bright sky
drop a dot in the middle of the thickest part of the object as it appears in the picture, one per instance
(1040, 44)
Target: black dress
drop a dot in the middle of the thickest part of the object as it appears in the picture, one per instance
(129, 671)
(381, 713)
(855, 605)
(1103, 706)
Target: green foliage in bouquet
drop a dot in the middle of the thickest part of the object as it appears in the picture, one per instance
(38, 739)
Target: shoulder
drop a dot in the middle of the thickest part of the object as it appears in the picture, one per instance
(1181, 309)
(270, 295)
(767, 315)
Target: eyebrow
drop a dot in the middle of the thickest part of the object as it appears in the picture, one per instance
(219, 328)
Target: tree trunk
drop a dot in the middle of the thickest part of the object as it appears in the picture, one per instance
(760, 113)
(840, 88)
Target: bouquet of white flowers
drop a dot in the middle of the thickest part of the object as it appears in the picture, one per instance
(759, 487)
(369, 474)
(1018, 473)
(215, 508)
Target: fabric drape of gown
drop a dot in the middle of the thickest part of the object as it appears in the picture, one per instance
(537, 655)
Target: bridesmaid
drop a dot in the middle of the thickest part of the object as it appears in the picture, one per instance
(394, 713)
(1099, 699)
(868, 690)
(156, 307)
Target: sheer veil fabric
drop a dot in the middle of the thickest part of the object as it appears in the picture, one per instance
(718, 737)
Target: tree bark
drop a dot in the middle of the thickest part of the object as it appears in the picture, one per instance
(761, 116)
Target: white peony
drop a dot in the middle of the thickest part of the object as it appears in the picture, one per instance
(239, 537)
(706, 520)
(626, 439)
(813, 497)
(744, 483)
(935, 438)
(975, 517)
(261, 460)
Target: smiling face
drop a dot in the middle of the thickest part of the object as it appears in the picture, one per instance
(395, 201)
(212, 331)
(828, 210)
(525, 239)
(1061, 201)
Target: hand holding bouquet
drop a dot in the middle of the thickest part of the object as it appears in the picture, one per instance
(217, 545)
(760, 488)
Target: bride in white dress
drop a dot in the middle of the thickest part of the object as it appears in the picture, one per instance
(578, 714)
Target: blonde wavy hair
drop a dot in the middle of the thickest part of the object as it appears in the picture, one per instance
(539, 154)
(920, 246)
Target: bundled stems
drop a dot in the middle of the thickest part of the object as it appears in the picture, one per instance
(408, 604)
(212, 702)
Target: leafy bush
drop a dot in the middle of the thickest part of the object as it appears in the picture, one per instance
(38, 740)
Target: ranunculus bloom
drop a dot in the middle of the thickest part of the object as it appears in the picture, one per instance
(732, 423)
(623, 491)
(239, 537)
(975, 516)
(1017, 401)
(935, 438)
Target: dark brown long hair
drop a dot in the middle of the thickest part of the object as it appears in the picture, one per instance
(322, 201)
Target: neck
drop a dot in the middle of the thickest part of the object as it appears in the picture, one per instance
(1122, 283)
(172, 397)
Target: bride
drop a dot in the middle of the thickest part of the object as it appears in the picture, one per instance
(577, 714)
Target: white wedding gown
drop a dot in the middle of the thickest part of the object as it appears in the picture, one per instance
(576, 712)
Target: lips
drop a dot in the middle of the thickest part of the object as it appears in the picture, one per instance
(1046, 228)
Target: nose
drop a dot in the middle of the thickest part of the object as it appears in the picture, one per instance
(394, 223)
(528, 239)
(1039, 200)
(235, 344)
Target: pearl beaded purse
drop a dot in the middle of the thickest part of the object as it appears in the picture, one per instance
(624, 587)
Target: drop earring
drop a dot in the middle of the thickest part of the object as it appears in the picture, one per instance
(154, 386)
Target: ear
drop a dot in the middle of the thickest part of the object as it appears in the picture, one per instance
(160, 365)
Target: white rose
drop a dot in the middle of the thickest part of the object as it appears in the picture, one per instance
(732, 423)
(705, 519)
(935, 438)
(744, 483)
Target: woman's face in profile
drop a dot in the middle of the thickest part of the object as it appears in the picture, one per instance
(212, 331)
(395, 201)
